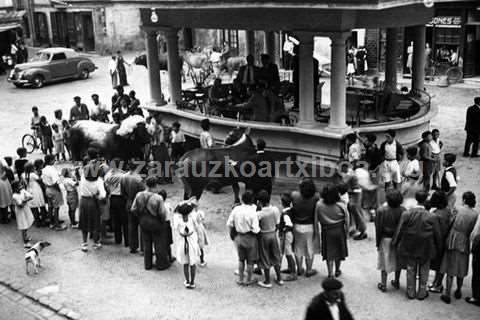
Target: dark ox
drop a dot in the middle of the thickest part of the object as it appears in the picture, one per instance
(141, 60)
(239, 147)
(126, 141)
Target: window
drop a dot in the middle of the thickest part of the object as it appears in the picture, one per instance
(59, 56)
(41, 56)
(231, 38)
(41, 29)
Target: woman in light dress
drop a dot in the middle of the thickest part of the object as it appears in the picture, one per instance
(410, 57)
(33, 186)
(23, 214)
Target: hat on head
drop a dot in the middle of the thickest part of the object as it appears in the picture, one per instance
(77, 98)
(330, 284)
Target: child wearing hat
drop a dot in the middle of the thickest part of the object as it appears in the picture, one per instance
(329, 304)
(188, 250)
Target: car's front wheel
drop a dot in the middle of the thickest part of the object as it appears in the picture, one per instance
(38, 81)
(84, 74)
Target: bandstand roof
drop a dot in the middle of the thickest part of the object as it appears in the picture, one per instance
(313, 15)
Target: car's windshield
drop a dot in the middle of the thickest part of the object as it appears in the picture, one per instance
(41, 56)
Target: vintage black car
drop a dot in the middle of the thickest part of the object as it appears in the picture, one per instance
(50, 65)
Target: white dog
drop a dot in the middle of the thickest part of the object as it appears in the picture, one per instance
(32, 256)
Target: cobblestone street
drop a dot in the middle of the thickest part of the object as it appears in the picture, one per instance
(112, 284)
(17, 306)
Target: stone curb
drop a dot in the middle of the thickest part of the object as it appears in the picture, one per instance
(52, 307)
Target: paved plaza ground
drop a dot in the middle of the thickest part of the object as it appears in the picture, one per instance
(112, 284)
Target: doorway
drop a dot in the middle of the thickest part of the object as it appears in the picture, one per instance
(471, 65)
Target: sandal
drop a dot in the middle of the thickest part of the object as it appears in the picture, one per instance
(382, 287)
(436, 289)
(338, 273)
(472, 301)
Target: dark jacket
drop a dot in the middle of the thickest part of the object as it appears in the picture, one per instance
(318, 310)
(472, 123)
(262, 179)
(373, 156)
(270, 75)
(444, 221)
(243, 70)
(81, 113)
(400, 151)
(386, 222)
(418, 235)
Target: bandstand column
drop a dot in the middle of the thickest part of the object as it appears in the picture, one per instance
(391, 55)
(418, 64)
(250, 42)
(270, 44)
(306, 94)
(153, 68)
(174, 72)
(338, 105)
(278, 47)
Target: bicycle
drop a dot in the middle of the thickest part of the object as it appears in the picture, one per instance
(32, 141)
(436, 70)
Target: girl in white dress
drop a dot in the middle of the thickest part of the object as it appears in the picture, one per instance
(23, 213)
(37, 204)
(188, 250)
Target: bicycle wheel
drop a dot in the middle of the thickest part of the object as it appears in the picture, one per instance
(454, 74)
(29, 143)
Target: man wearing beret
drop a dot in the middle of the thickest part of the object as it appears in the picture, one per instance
(330, 304)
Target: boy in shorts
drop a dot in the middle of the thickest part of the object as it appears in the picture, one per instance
(392, 152)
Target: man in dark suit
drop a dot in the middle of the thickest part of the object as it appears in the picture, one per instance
(269, 73)
(472, 126)
(330, 304)
(248, 74)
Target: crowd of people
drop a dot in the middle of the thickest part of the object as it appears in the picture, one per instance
(55, 136)
(254, 93)
(420, 227)
(17, 53)
(109, 200)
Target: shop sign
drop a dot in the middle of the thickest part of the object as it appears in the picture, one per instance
(446, 21)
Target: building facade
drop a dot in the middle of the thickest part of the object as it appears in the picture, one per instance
(452, 39)
(103, 26)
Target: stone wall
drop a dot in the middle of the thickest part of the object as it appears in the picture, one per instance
(119, 31)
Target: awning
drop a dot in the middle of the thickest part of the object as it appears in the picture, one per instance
(11, 20)
(9, 26)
